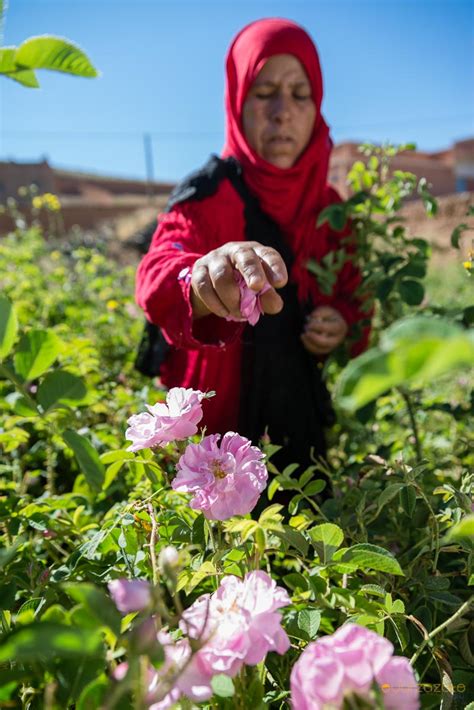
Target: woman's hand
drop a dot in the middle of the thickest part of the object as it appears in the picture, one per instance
(324, 331)
(213, 286)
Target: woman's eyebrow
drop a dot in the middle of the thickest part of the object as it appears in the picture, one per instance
(269, 82)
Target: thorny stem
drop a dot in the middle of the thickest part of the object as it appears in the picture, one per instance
(435, 527)
(152, 544)
(414, 426)
(50, 464)
(457, 614)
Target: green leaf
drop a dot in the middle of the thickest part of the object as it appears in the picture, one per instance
(412, 351)
(408, 499)
(46, 641)
(35, 604)
(388, 493)
(222, 686)
(111, 473)
(23, 408)
(55, 53)
(415, 268)
(97, 602)
(373, 589)
(119, 455)
(295, 539)
(295, 580)
(87, 458)
(335, 215)
(8, 327)
(411, 291)
(7, 59)
(315, 487)
(457, 234)
(35, 353)
(7, 554)
(463, 529)
(365, 556)
(93, 694)
(25, 77)
(60, 387)
(308, 621)
(326, 539)
(384, 288)
(10, 69)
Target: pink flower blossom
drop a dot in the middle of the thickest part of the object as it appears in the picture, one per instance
(172, 679)
(349, 661)
(400, 689)
(130, 594)
(226, 478)
(250, 306)
(238, 624)
(165, 422)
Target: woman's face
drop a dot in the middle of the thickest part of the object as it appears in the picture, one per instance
(279, 112)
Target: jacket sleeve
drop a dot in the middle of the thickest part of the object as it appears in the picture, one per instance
(164, 274)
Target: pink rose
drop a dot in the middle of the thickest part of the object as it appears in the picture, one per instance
(174, 673)
(171, 680)
(250, 306)
(226, 478)
(400, 689)
(164, 422)
(130, 594)
(349, 661)
(238, 624)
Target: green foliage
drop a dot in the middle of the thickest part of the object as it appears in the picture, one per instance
(390, 547)
(412, 352)
(45, 52)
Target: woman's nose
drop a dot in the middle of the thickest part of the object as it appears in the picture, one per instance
(280, 108)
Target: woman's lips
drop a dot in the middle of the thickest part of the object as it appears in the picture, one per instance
(281, 139)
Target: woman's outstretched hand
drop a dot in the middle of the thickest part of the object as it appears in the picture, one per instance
(215, 290)
(325, 329)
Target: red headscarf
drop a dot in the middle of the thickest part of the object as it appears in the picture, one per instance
(294, 196)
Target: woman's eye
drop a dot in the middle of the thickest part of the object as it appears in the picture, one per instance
(302, 97)
(263, 96)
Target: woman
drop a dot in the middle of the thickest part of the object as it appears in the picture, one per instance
(254, 211)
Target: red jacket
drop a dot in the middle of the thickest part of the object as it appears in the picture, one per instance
(206, 353)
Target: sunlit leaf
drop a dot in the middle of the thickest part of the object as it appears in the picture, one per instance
(97, 602)
(8, 327)
(87, 458)
(60, 387)
(372, 557)
(49, 641)
(56, 53)
(35, 353)
(308, 621)
(413, 351)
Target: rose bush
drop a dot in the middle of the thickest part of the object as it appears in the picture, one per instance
(339, 602)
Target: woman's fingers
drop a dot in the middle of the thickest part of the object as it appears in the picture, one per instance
(213, 285)
(224, 284)
(203, 294)
(261, 265)
(273, 265)
(325, 329)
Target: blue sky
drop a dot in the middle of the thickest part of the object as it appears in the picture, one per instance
(399, 70)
